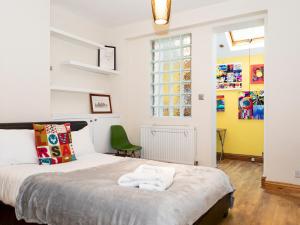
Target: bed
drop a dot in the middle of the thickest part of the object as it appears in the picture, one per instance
(206, 204)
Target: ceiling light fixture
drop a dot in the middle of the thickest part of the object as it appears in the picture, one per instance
(161, 10)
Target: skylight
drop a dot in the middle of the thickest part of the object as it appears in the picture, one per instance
(249, 33)
(246, 38)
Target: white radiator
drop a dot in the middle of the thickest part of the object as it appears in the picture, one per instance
(169, 144)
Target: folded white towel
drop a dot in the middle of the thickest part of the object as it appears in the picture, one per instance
(153, 178)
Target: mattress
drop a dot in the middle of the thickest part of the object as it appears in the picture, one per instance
(93, 196)
(215, 184)
(12, 176)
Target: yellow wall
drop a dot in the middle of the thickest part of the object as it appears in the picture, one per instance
(243, 136)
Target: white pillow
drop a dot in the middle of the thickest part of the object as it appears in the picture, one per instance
(17, 147)
(82, 142)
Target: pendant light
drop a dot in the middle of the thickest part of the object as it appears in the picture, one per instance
(161, 10)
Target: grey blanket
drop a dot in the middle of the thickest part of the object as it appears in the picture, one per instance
(93, 197)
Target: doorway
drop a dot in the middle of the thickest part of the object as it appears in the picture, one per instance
(240, 59)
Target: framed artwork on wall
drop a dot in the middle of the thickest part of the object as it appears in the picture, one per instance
(220, 103)
(251, 105)
(100, 103)
(229, 76)
(257, 74)
(107, 58)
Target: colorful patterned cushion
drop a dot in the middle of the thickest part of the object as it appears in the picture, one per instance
(53, 143)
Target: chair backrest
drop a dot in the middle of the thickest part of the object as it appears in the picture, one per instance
(118, 137)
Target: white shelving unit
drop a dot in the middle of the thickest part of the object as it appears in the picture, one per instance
(66, 35)
(78, 65)
(78, 90)
(90, 68)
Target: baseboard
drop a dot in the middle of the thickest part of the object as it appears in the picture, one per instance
(241, 157)
(279, 186)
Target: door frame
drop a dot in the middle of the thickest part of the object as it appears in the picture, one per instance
(220, 27)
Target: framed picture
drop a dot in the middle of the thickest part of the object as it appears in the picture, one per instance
(251, 105)
(107, 58)
(257, 74)
(100, 103)
(229, 76)
(220, 103)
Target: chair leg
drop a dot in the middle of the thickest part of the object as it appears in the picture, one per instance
(131, 154)
(119, 153)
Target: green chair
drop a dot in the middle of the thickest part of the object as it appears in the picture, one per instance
(119, 141)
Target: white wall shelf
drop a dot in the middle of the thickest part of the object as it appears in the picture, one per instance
(64, 116)
(78, 90)
(66, 35)
(90, 68)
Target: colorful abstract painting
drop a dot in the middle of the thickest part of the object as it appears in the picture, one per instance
(251, 105)
(257, 74)
(220, 103)
(229, 76)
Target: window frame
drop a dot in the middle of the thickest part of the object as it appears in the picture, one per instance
(244, 44)
(244, 41)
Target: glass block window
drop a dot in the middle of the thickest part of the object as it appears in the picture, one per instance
(171, 76)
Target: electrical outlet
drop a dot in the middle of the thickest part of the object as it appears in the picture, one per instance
(252, 159)
(297, 173)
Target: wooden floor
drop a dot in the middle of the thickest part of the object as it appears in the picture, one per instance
(253, 205)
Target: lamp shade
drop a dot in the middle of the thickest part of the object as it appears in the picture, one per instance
(161, 10)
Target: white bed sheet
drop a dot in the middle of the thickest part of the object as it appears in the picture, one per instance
(12, 176)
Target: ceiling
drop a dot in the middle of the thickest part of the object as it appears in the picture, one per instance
(112, 13)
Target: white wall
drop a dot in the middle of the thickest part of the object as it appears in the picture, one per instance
(282, 92)
(132, 88)
(24, 61)
(63, 50)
